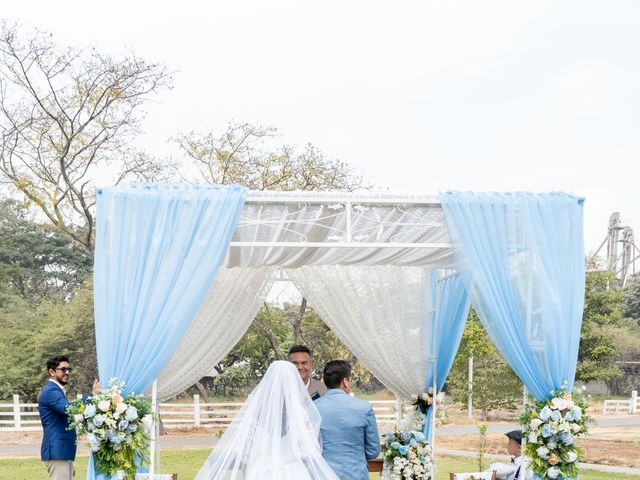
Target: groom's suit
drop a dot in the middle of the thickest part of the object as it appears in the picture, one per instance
(349, 434)
(58, 443)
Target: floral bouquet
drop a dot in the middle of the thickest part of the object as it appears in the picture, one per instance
(423, 400)
(407, 456)
(117, 428)
(550, 427)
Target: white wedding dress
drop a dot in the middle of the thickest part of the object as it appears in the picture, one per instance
(274, 436)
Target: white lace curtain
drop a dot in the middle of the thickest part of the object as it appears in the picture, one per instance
(376, 299)
(233, 300)
(383, 314)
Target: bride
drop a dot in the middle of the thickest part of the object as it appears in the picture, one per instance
(274, 436)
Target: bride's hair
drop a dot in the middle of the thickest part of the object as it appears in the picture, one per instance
(335, 371)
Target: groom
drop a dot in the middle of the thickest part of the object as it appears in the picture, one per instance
(348, 428)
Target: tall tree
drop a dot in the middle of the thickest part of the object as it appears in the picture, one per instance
(64, 114)
(495, 386)
(631, 295)
(603, 308)
(31, 334)
(252, 156)
(37, 259)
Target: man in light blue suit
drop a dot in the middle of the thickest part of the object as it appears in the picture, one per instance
(349, 431)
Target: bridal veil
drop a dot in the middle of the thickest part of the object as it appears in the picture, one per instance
(274, 436)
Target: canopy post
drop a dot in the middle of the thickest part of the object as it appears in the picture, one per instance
(154, 426)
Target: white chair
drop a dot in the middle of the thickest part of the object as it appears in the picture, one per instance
(473, 476)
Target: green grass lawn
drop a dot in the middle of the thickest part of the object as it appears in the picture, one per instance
(187, 462)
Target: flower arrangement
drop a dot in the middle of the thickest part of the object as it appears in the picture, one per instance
(117, 428)
(550, 427)
(423, 400)
(407, 456)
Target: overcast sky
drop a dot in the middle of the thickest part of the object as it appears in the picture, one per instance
(418, 96)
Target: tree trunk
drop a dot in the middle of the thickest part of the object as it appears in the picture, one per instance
(203, 392)
(267, 332)
(297, 322)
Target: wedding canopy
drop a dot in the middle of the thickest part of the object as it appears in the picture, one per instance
(181, 270)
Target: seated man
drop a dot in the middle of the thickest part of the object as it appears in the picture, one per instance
(517, 469)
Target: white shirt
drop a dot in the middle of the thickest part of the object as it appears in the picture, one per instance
(64, 390)
(507, 471)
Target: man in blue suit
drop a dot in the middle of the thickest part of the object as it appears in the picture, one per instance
(348, 428)
(58, 450)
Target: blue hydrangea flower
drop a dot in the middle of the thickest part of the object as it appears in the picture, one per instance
(123, 424)
(132, 428)
(556, 415)
(396, 445)
(419, 436)
(546, 431)
(98, 420)
(545, 413)
(131, 413)
(94, 441)
(577, 413)
(89, 411)
(566, 438)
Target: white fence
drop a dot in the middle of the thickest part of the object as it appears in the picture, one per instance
(631, 406)
(219, 415)
(19, 416)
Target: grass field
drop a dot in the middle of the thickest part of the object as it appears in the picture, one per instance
(186, 463)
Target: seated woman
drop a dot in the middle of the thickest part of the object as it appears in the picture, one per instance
(275, 435)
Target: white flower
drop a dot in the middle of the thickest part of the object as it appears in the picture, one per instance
(533, 438)
(543, 452)
(553, 472)
(584, 388)
(147, 422)
(104, 405)
(121, 408)
(414, 398)
(535, 423)
(575, 428)
(425, 397)
(572, 457)
(78, 418)
(430, 391)
(558, 403)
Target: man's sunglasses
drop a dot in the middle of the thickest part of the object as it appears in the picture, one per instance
(64, 369)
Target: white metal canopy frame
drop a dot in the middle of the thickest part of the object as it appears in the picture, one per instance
(364, 261)
(190, 266)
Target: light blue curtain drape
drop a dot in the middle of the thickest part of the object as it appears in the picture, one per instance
(158, 248)
(522, 256)
(452, 310)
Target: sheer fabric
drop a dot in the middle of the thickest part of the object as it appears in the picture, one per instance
(452, 310)
(326, 222)
(231, 304)
(380, 313)
(158, 248)
(523, 259)
(275, 436)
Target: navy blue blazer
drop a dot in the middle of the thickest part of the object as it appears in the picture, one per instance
(349, 434)
(58, 443)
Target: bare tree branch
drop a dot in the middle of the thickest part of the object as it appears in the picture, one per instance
(64, 113)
